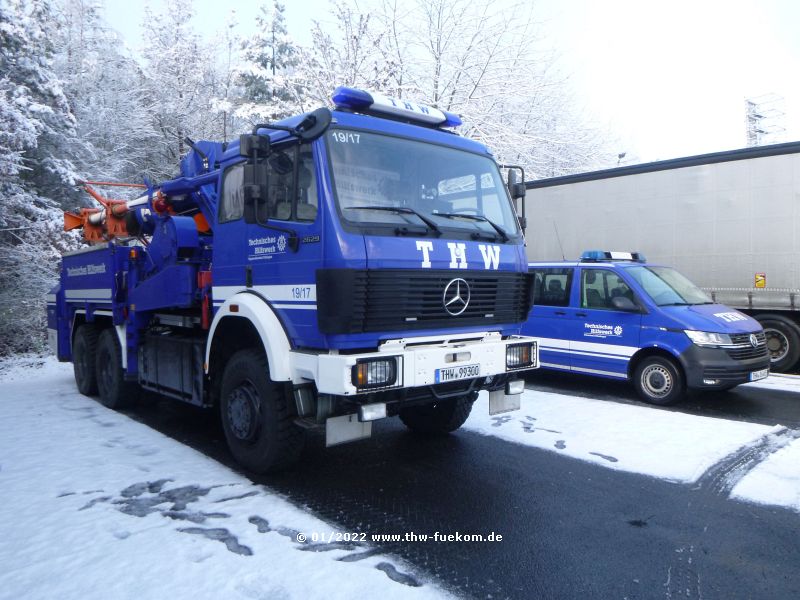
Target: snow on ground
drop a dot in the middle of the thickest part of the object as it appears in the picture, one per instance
(781, 382)
(96, 505)
(775, 481)
(665, 444)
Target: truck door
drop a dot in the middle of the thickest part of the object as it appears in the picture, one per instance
(277, 257)
(552, 287)
(603, 338)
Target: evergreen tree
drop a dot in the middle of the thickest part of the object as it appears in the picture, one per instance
(271, 77)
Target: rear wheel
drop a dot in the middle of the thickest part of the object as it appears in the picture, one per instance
(114, 391)
(658, 380)
(256, 415)
(440, 417)
(84, 350)
(783, 341)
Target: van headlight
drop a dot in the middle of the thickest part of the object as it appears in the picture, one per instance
(708, 339)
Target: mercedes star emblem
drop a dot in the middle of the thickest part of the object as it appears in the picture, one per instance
(456, 296)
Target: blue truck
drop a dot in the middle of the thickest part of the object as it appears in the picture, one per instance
(328, 270)
(614, 315)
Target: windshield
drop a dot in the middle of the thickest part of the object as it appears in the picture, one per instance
(418, 187)
(667, 287)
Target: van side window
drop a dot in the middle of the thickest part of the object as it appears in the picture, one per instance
(551, 286)
(600, 286)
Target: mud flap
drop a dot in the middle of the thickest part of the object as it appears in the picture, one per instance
(347, 428)
(500, 402)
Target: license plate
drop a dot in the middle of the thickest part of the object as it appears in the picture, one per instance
(455, 373)
(756, 375)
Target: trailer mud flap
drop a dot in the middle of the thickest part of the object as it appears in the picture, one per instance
(347, 428)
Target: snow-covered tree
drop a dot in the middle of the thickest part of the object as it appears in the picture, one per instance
(179, 81)
(37, 131)
(107, 93)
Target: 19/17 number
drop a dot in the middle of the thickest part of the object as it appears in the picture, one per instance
(346, 137)
(301, 293)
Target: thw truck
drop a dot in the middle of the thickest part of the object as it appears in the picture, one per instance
(331, 269)
(729, 221)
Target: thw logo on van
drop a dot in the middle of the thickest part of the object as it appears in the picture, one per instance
(458, 255)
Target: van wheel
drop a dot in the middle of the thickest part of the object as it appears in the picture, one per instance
(256, 416)
(658, 380)
(84, 349)
(440, 417)
(114, 391)
(783, 342)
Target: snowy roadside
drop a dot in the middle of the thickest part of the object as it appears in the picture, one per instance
(96, 505)
(664, 444)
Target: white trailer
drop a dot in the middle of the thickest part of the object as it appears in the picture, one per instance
(730, 221)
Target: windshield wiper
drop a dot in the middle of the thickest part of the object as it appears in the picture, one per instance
(503, 235)
(404, 210)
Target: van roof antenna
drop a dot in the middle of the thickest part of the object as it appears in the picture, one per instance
(555, 228)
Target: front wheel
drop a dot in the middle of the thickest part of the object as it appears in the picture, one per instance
(256, 417)
(440, 417)
(658, 380)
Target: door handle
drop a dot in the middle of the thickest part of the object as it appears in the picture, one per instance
(581, 314)
(560, 313)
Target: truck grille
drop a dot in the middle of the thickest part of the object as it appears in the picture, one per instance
(744, 349)
(362, 301)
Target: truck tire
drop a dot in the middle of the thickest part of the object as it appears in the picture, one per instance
(440, 417)
(256, 415)
(84, 351)
(115, 392)
(658, 380)
(783, 341)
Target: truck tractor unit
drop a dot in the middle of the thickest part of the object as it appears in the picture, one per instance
(324, 271)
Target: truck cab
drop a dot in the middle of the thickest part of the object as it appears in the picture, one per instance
(614, 315)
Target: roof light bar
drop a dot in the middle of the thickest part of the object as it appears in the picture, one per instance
(360, 100)
(599, 255)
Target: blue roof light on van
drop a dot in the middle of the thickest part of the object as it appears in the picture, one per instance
(605, 255)
(357, 100)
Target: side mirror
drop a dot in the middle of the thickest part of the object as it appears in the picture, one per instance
(255, 186)
(251, 146)
(625, 304)
(516, 187)
(314, 125)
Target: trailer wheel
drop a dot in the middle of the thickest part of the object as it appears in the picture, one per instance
(256, 415)
(783, 341)
(114, 391)
(658, 380)
(84, 350)
(440, 417)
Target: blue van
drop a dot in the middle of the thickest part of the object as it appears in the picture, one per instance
(614, 315)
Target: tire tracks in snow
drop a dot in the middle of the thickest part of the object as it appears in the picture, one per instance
(683, 578)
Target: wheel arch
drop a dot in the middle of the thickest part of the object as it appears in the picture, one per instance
(246, 320)
(651, 351)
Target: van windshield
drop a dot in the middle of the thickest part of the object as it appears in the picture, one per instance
(395, 183)
(667, 287)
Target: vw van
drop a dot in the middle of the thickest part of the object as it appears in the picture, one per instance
(614, 315)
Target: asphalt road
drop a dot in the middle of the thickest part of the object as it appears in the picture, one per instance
(570, 529)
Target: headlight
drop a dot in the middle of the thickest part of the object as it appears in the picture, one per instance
(374, 373)
(708, 339)
(519, 356)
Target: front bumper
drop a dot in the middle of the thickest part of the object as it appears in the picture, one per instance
(706, 365)
(418, 361)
